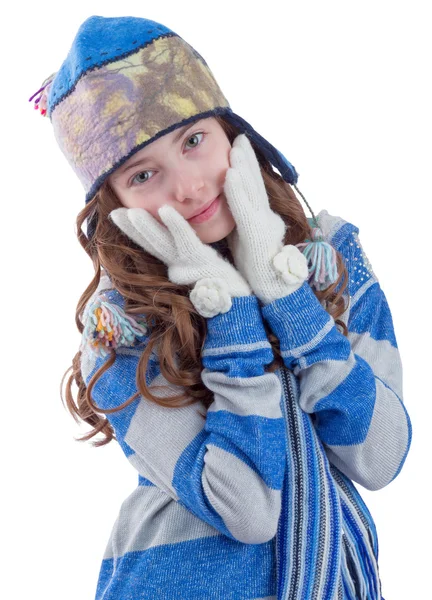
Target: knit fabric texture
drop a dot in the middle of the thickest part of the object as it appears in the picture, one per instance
(258, 500)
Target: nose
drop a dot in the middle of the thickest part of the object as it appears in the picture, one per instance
(187, 182)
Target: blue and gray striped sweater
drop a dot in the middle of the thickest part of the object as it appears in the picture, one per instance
(258, 500)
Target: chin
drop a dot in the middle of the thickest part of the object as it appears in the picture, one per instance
(214, 234)
(217, 229)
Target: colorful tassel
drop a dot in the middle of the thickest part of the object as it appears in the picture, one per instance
(321, 258)
(108, 326)
(41, 102)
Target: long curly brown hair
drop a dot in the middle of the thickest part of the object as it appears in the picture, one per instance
(174, 326)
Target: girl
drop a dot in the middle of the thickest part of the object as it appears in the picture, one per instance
(242, 355)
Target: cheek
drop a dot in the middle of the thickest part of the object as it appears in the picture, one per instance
(154, 213)
(226, 218)
(222, 168)
(151, 206)
(218, 159)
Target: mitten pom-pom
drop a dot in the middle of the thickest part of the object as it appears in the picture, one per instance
(291, 265)
(211, 296)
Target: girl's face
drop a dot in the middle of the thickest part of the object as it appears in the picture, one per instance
(185, 169)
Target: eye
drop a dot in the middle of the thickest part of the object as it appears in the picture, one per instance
(137, 178)
(195, 135)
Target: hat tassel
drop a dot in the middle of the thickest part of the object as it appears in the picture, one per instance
(321, 256)
(41, 102)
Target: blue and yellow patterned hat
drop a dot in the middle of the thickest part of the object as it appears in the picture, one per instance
(125, 82)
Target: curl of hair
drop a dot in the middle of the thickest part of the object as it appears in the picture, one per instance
(175, 327)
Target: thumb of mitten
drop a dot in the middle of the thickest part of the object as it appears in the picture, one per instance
(143, 229)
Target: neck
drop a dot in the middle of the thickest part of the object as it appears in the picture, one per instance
(221, 246)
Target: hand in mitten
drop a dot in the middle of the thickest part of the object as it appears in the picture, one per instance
(189, 261)
(272, 269)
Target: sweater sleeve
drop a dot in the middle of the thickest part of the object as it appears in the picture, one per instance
(227, 469)
(352, 386)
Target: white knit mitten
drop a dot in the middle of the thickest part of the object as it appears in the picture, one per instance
(189, 261)
(272, 269)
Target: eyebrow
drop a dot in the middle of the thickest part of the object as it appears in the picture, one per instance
(181, 131)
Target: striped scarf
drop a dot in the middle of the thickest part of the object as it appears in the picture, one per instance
(327, 547)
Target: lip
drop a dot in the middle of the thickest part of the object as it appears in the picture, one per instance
(207, 212)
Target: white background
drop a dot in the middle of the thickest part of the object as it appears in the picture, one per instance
(343, 90)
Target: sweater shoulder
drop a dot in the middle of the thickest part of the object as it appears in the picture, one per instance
(107, 326)
(335, 229)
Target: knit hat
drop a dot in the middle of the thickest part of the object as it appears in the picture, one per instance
(127, 81)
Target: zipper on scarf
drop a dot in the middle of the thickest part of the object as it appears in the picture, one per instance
(288, 396)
